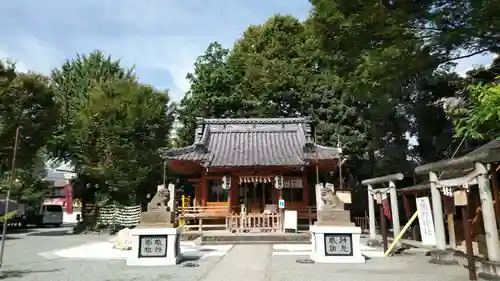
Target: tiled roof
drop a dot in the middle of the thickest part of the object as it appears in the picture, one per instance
(492, 145)
(253, 142)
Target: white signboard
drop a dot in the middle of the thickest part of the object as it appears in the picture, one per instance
(296, 183)
(425, 221)
(290, 220)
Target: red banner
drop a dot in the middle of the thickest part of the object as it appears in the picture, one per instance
(68, 196)
(387, 210)
(407, 207)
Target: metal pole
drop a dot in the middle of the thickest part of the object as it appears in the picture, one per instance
(164, 172)
(317, 163)
(468, 243)
(11, 182)
(341, 184)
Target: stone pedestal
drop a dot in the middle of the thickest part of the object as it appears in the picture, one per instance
(155, 246)
(336, 244)
(442, 257)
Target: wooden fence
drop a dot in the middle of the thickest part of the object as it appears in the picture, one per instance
(219, 218)
(254, 222)
(193, 218)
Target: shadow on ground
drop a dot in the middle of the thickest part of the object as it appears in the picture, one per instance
(4, 274)
(21, 230)
(10, 238)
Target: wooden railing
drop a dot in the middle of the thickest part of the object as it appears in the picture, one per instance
(254, 222)
(193, 217)
(196, 218)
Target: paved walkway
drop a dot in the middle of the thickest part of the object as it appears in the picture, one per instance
(242, 263)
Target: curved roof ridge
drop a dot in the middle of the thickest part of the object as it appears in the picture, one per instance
(225, 121)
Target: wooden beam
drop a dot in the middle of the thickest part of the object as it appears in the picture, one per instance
(305, 189)
(204, 190)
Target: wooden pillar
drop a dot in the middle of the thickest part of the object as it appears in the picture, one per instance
(198, 194)
(204, 189)
(449, 206)
(305, 189)
(495, 190)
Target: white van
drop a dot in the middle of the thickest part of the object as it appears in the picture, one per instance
(52, 215)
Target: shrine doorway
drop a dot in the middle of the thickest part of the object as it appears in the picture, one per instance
(255, 196)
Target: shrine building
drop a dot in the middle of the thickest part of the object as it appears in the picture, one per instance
(240, 163)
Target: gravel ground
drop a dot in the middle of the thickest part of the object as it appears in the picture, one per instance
(243, 262)
(400, 268)
(22, 260)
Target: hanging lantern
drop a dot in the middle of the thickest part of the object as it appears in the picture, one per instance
(226, 182)
(278, 182)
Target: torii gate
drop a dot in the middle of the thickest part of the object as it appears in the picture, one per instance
(490, 268)
(390, 179)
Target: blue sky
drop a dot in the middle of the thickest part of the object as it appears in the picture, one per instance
(161, 37)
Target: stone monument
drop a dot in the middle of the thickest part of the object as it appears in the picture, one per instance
(156, 241)
(335, 239)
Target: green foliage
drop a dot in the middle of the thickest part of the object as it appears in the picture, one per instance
(480, 119)
(8, 216)
(112, 127)
(27, 102)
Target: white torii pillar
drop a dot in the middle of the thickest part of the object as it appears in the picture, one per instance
(394, 204)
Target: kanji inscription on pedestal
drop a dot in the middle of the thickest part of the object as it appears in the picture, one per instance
(338, 244)
(152, 246)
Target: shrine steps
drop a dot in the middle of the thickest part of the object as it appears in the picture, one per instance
(220, 238)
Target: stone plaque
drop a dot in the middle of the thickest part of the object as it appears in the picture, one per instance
(152, 246)
(338, 244)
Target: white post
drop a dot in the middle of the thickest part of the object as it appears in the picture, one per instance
(396, 226)
(489, 220)
(371, 213)
(437, 211)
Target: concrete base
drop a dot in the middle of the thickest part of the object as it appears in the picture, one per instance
(443, 257)
(490, 270)
(155, 246)
(336, 244)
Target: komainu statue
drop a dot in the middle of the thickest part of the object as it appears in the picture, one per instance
(160, 201)
(330, 200)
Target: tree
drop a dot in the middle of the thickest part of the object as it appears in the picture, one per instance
(113, 126)
(276, 69)
(479, 119)
(72, 81)
(431, 125)
(27, 102)
(209, 93)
